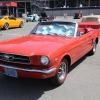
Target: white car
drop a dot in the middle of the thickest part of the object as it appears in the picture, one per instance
(32, 18)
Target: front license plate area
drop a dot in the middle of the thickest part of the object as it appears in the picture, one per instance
(11, 72)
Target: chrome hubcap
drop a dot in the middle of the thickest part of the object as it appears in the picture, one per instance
(6, 26)
(62, 71)
(94, 47)
(21, 24)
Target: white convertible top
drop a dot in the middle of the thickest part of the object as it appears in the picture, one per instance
(92, 18)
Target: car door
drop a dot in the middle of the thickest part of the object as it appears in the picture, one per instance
(12, 21)
(85, 44)
(5, 20)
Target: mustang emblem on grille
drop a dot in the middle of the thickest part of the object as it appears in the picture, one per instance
(6, 56)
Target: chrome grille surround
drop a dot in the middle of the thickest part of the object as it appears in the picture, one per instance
(14, 58)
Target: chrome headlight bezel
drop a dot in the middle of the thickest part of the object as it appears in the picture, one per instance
(44, 60)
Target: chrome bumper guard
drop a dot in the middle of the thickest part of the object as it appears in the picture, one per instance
(30, 70)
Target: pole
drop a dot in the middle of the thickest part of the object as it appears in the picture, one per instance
(77, 4)
(8, 10)
(0, 11)
(89, 3)
(17, 12)
(31, 5)
(25, 6)
(13, 10)
(54, 3)
(45, 3)
(65, 3)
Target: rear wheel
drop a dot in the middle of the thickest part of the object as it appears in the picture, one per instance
(6, 26)
(60, 77)
(93, 50)
(21, 24)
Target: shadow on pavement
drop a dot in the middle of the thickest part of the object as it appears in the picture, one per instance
(25, 88)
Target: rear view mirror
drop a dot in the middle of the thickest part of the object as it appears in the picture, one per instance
(81, 33)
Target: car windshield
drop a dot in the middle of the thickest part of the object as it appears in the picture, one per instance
(1, 17)
(29, 16)
(55, 28)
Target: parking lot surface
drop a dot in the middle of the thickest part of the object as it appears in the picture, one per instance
(82, 82)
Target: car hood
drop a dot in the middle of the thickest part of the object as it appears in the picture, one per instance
(34, 44)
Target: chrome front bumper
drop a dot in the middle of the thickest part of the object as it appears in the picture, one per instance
(29, 70)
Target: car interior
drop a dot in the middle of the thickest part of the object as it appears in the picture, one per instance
(84, 28)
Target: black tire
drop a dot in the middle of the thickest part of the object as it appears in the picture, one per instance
(93, 50)
(21, 24)
(61, 75)
(6, 26)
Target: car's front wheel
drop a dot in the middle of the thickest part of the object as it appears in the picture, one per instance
(6, 26)
(61, 74)
(93, 50)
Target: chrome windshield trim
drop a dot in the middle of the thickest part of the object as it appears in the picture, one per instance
(29, 70)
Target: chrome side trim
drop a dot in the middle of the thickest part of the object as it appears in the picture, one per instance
(29, 70)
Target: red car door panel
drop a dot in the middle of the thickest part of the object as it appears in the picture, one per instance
(85, 44)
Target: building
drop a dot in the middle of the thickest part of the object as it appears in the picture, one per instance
(35, 6)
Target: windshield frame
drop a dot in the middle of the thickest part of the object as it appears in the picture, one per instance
(53, 22)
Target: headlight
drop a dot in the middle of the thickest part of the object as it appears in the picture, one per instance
(44, 60)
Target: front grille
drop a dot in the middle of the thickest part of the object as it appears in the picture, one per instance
(14, 58)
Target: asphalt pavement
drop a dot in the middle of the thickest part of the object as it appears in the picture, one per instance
(82, 82)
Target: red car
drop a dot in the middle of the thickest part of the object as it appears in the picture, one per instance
(77, 15)
(49, 50)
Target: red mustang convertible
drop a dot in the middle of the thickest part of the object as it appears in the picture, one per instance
(49, 50)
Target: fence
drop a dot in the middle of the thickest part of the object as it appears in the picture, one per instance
(72, 11)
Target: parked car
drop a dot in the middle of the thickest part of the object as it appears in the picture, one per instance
(77, 15)
(32, 18)
(7, 22)
(49, 50)
(45, 17)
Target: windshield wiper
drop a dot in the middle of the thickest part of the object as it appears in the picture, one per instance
(37, 33)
